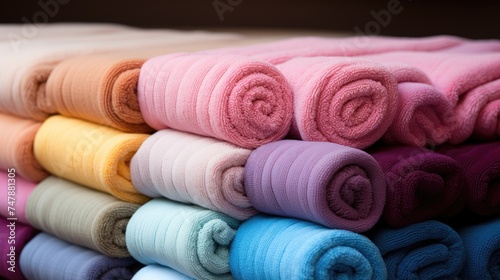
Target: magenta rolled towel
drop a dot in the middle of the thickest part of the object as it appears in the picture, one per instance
(341, 100)
(481, 165)
(421, 184)
(18, 190)
(233, 98)
(13, 237)
(326, 183)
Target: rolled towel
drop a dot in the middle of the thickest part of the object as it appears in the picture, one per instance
(425, 250)
(267, 247)
(232, 98)
(470, 81)
(187, 238)
(425, 116)
(16, 191)
(89, 154)
(47, 257)
(481, 165)
(482, 245)
(341, 100)
(421, 184)
(193, 169)
(14, 236)
(158, 272)
(16, 140)
(80, 215)
(327, 183)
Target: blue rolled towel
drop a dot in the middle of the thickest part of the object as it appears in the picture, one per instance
(47, 257)
(268, 247)
(188, 238)
(159, 272)
(425, 250)
(482, 244)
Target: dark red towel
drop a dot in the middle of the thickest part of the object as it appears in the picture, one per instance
(421, 184)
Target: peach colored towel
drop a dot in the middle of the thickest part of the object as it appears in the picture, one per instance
(341, 100)
(16, 145)
(193, 169)
(471, 82)
(233, 98)
(22, 189)
(425, 115)
(92, 155)
(24, 73)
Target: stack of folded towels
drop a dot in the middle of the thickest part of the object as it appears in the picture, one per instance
(165, 154)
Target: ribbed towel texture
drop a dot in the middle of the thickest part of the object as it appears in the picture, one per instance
(47, 257)
(16, 141)
(267, 247)
(421, 184)
(471, 82)
(425, 250)
(233, 98)
(425, 116)
(187, 238)
(341, 100)
(481, 165)
(193, 169)
(158, 272)
(21, 189)
(482, 244)
(22, 234)
(89, 154)
(80, 215)
(327, 183)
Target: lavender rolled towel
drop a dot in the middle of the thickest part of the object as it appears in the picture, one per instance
(47, 257)
(327, 183)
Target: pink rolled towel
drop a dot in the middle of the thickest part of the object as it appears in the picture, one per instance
(232, 98)
(341, 100)
(471, 82)
(193, 169)
(425, 115)
(20, 189)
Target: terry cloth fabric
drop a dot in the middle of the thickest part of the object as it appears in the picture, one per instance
(23, 79)
(232, 98)
(158, 272)
(481, 165)
(482, 245)
(327, 183)
(193, 169)
(425, 250)
(282, 51)
(424, 116)
(16, 142)
(421, 184)
(342, 100)
(267, 247)
(20, 234)
(20, 189)
(187, 238)
(47, 257)
(81, 216)
(89, 154)
(471, 82)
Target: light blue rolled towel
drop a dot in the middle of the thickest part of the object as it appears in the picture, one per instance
(47, 257)
(187, 238)
(158, 272)
(268, 247)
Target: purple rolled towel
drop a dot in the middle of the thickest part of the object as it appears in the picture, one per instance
(421, 184)
(326, 183)
(13, 236)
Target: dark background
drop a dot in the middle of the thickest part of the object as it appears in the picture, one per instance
(472, 19)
